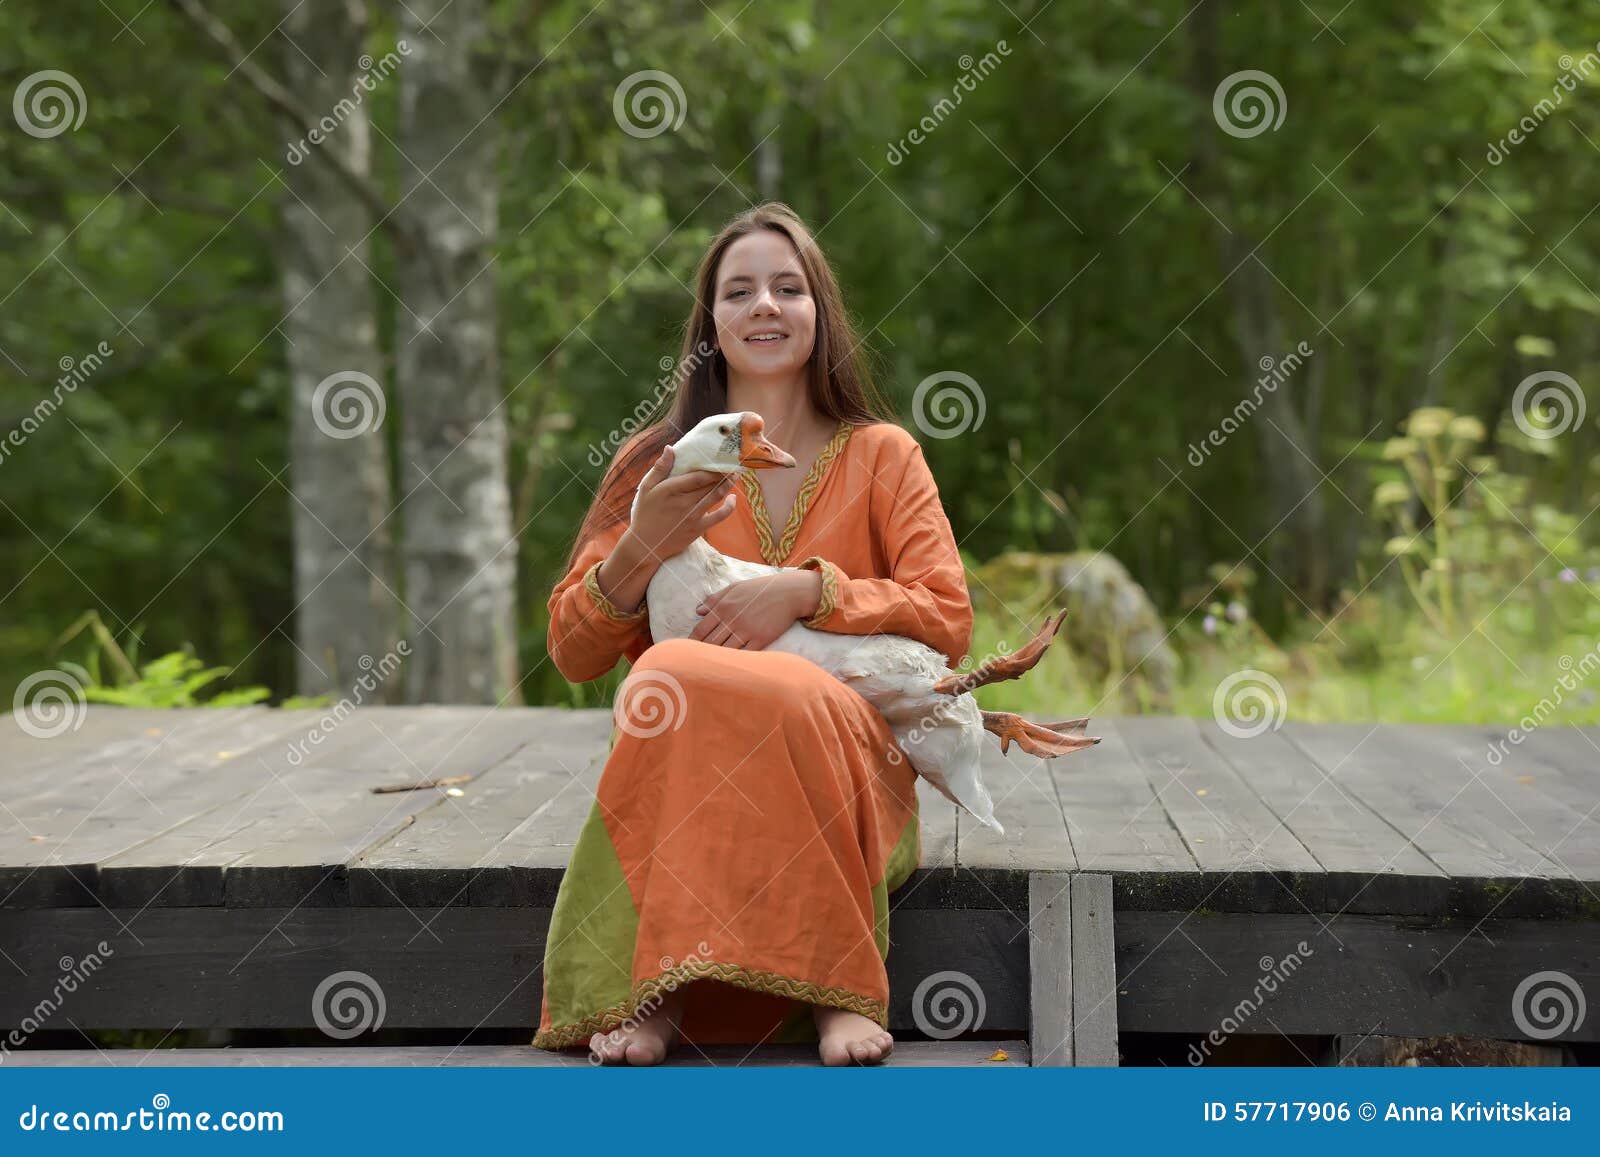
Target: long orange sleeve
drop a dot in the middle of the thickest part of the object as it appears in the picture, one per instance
(589, 633)
(925, 598)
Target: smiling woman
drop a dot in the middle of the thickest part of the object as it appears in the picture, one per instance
(732, 882)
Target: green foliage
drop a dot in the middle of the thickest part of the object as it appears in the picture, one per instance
(1061, 237)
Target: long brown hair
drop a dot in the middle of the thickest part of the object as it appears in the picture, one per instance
(838, 380)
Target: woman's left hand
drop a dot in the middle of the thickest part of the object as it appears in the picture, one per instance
(751, 614)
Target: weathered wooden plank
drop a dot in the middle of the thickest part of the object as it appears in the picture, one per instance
(456, 967)
(1422, 800)
(1115, 821)
(546, 838)
(1050, 960)
(1223, 822)
(306, 860)
(1561, 761)
(907, 1054)
(1367, 865)
(122, 797)
(1094, 973)
(1026, 804)
(22, 753)
(1542, 823)
(217, 820)
(1247, 973)
(445, 856)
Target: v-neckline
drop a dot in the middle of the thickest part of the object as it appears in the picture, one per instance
(773, 552)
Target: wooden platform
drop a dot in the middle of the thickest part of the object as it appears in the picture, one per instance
(1146, 885)
(907, 1054)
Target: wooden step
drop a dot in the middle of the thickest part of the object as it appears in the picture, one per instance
(907, 1054)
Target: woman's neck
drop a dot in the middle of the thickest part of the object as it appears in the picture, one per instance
(784, 405)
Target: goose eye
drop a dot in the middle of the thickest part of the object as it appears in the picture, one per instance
(722, 429)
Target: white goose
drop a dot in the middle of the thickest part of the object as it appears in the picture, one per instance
(927, 706)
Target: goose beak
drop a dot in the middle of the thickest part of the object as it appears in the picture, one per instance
(755, 451)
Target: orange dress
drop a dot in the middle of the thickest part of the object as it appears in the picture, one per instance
(750, 822)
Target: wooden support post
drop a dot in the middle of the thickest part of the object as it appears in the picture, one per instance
(1073, 982)
(1094, 972)
(1050, 1007)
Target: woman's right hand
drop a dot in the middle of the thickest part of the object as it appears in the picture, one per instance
(673, 512)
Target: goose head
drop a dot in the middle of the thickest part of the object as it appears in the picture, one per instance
(727, 444)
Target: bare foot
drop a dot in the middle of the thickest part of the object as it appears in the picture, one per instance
(648, 1042)
(850, 1038)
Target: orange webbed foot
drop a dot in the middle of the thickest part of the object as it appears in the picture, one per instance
(1046, 740)
(1005, 667)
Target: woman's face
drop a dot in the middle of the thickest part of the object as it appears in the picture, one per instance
(765, 314)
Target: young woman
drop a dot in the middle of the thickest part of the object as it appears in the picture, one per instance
(731, 884)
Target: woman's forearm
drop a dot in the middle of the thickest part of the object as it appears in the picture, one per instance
(625, 575)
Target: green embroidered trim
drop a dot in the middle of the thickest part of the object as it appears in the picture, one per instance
(567, 1035)
(608, 608)
(830, 589)
(774, 554)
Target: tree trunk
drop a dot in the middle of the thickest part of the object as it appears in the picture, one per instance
(460, 552)
(1299, 543)
(339, 476)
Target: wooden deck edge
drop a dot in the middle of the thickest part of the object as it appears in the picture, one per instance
(907, 1054)
(995, 889)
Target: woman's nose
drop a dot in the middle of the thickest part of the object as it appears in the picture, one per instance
(765, 302)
